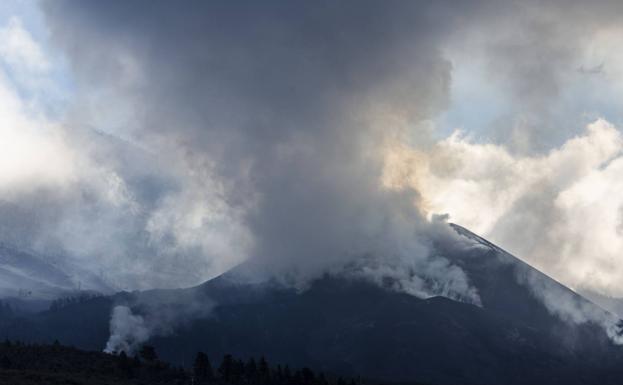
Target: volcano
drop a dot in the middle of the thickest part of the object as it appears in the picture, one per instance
(528, 329)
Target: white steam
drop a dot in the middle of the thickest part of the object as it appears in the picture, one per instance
(560, 212)
(153, 313)
(570, 307)
(127, 331)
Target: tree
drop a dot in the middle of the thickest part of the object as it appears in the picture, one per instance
(322, 380)
(278, 375)
(250, 370)
(5, 362)
(308, 375)
(263, 370)
(125, 365)
(202, 368)
(148, 353)
(238, 369)
(287, 376)
(227, 367)
(136, 362)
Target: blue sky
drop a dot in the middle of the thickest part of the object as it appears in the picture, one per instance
(53, 86)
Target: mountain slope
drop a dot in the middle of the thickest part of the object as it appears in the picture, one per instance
(354, 327)
(29, 275)
(510, 286)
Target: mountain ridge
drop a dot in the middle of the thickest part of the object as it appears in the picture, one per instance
(349, 326)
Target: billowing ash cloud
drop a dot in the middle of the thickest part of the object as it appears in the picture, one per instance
(257, 129)
(303, 135)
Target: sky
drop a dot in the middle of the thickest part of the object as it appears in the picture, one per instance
(158, 145)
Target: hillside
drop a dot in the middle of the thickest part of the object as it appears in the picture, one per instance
(356, 328)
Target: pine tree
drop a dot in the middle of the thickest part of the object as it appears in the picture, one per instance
(250, 370)
(238, 370)
(322, 380)
(125, 365)
(202, 367)
(298, 378)
(307, 375)
(5, 362)
(148, 353)
(263, 371)
(278, 374)
(227, 368)
(136, 362)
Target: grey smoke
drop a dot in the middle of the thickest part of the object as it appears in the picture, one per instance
(563, 304)
(258, 130)
(272, 118)
(140, 316)
(127, 331)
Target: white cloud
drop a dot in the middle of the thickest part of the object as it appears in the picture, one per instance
(19, 49)
(67, 189)
(34, 153)
(562, 211)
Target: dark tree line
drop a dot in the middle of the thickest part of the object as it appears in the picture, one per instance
(35, 364)
(257, 372)
(54, 363)
(82, 297)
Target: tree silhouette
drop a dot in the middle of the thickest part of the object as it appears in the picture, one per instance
(308, 376)
(226, 370)
(238, 369)
(148, 353)
(250, 370)
(263, 371)
(202, 368)
(21, 362)
(125, 365)
(5, 362)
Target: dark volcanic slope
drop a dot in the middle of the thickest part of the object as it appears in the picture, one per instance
(508, 285)
(353, 327)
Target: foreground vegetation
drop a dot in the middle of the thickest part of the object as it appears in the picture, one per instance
(22, 364)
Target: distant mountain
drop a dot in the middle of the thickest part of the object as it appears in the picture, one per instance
(30, 281)
(529, 329)
(24, 274)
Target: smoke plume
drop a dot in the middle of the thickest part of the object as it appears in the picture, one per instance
(127, 331)
(271, 123)
(137, 317)
(309, 137)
